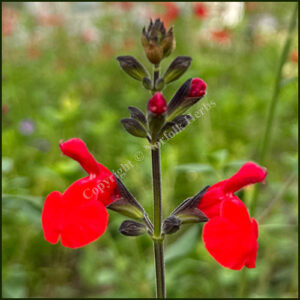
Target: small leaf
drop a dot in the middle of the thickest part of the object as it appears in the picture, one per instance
(177, 68)
(156, 122)
(127, 195)
(189, 207)
(134, 127)
(182, 121)
(137, 114)
(178, 98)
(159, 85)
(132, 67)
(124, 208)
(175, 126)
(193, 215)
(147, 83)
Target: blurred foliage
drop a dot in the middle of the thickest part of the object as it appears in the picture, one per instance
(59, 84)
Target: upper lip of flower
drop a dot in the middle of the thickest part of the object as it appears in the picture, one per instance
(249, 173)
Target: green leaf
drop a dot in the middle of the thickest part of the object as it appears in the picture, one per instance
(134, 127)
(195, 168)
(177, 68)
(132, 67)
(184, 245)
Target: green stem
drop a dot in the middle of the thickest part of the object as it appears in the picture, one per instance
(156, 191)
(160, 269)
(157, 216)
(276, 92)
(155, 77)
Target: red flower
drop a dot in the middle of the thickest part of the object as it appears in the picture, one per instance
(78, 216)
(157, 104)
(249, 173)
(230, 236)
(200, 10)
(198, 88)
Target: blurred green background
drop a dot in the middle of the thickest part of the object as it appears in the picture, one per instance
(61, 79)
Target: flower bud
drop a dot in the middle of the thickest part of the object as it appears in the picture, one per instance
(132, 67)
(157, 104)
(187, 95)
(132, 228)
(177, 68)
(198, 88)
(157, 42)
(157, 107)
(171, 225)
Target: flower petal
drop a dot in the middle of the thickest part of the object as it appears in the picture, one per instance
(249, 173)
(83, 224)
(251, 262)
(76, 216)
(230, 238)
(212, 199)
(77, 150)
(52, 217)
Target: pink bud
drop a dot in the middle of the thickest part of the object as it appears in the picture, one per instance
(157, 104)
(198, 88)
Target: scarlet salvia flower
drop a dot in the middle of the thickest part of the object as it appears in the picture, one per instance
(249, 173)
(230, 235)
(198, 88)
(78, 216)
(157, 104)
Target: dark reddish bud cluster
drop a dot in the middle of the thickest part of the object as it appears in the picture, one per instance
(157, 104)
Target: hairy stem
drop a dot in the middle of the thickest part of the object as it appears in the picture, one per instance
(157, 216)
(276, 92)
